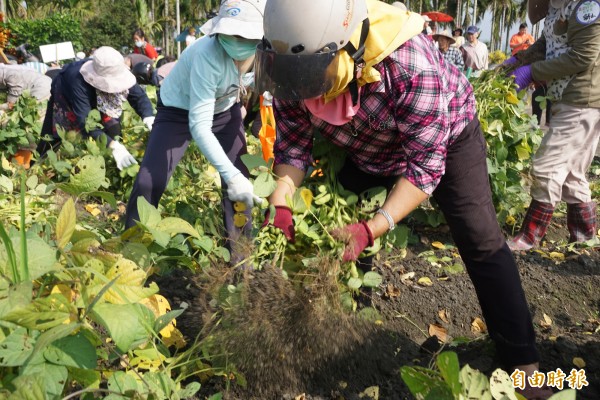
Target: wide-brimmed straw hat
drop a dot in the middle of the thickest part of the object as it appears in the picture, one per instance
(445, 33)
(238, 17)
(107, 71)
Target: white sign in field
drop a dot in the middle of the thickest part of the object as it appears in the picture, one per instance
(57, 51)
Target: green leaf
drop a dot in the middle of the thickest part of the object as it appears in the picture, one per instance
(65, 224)
(87, 378)
(72, 351)
(58, 332)
(425, 384)
(29, 387)
(173, 226)
(127, 324)
(204, 242)
(264, 184)
(164, 320)
(43, 313)
(192, 388)
(106, 196)
(447, 362)
(6, 185)
(149, 215)
(372, 279)
(122, 382)
(501, 386)
(475, 385)
(355, 283)
(252, 161)
(54, 377)
(87, 176)
(14, 296)
(16, 348)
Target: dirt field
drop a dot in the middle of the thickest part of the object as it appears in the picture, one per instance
(564, 297)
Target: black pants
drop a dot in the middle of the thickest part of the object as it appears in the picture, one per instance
(169, 139)
(465, 198)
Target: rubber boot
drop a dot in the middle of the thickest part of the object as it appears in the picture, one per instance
(581, 221)
(534, 226)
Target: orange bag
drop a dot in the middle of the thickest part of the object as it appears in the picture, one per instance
(267, 130)
(23, 157)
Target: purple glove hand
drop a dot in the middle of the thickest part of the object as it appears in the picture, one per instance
(523, 77)
(510, 61)
(356, 237)
(283, 220)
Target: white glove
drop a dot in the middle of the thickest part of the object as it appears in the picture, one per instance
(122, 157)
(148, 121)
(239, 188)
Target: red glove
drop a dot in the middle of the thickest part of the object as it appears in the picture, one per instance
(283, 220)
(356, 237)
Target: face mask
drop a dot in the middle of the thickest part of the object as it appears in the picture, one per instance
(139, 43)
(238, 49)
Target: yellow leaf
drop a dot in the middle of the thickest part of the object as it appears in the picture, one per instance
(478, 326)
(512, 98)
(579, 362)
(510, 220)
(174, 339)
(239, 206)
(65, 290)
(129, 286)
(425, 281)
(438, 245)
(557, 256)
(307, 197)
(93, 209)
(438, 331)
(65, 225)
(239, 220)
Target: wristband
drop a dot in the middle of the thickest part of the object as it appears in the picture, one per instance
(388, 217)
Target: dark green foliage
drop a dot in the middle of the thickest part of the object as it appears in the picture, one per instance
(59, 27)
(113, 27)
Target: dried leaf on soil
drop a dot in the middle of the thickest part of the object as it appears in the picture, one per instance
(425, 281)
(579, 362)
(443, 314)
(438, 331)
(546, 322)
(478, 326)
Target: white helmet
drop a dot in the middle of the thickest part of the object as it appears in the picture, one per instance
(302, 37)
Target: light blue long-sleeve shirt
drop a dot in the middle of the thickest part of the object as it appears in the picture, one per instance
(205, 81)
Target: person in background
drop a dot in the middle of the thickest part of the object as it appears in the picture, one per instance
(16, 79)
(103, 83)
(521, 40)
(475, 53)
(406, 122)
(426, 28)
(191, 37)
(459, 39)
(200, 100)
(451, 54)
(566, 56)
(141, 45)
(133, 59)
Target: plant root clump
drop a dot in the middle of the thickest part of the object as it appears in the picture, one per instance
(283, 331)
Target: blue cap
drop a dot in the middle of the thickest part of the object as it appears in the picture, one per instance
(472, 29)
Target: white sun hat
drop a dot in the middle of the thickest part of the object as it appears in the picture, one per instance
(400, 5)
(238, 17)
(107, 71)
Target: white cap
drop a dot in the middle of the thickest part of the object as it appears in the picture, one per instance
(238, 17)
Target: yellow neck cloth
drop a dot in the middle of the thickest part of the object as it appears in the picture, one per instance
(390, 27)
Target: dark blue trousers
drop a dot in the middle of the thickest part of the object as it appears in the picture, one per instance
(168, 141)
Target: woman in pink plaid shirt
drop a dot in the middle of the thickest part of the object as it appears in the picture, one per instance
(362, 75)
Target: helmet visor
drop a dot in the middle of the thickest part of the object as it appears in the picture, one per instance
(294, 77)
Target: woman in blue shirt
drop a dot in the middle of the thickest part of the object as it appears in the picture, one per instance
(200, 100)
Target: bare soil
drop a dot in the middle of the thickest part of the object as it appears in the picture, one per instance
(563, 294)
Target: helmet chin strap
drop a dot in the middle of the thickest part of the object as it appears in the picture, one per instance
(357, 55)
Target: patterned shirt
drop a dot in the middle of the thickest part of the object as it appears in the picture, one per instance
(405, 122)
(454, 56)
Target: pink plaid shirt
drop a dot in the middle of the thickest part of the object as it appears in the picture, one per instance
(405, 122)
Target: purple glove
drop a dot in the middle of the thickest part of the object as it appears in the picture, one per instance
(356, 237)
(523, 77)
(510, 61)
(283, 220)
